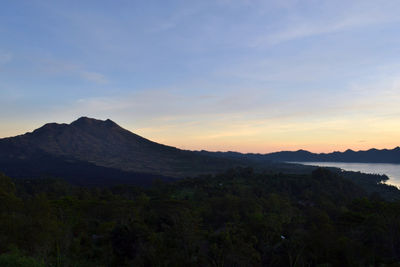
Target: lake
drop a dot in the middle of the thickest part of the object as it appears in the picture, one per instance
(391, 170)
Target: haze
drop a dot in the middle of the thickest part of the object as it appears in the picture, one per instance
(243, 75)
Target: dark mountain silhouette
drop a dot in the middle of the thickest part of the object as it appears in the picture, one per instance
(367, 156)
(91, 146)
(90, 151)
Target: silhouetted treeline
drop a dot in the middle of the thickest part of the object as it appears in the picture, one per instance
(238, 218)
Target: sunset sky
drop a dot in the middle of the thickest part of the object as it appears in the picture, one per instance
(242, 75)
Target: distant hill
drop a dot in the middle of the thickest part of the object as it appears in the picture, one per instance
(367, 156)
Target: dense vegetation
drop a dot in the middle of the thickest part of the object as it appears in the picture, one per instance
(238, 218)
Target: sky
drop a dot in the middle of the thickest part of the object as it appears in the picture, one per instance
(220, 75)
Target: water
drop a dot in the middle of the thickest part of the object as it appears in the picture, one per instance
(390, 170)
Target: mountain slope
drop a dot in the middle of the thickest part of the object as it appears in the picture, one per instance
(44, 165)
(104, 143)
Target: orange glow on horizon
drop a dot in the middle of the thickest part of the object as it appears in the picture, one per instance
(324, 136)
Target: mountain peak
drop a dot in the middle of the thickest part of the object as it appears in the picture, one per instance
(86, 121)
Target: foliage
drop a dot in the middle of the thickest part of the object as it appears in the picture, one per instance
(16, 260)
(237, 218)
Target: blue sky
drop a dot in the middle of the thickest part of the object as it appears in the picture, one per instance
(251, 76)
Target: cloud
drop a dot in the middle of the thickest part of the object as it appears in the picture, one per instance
(308, 29)
(249, 121)
(330, 19)
(5, 57)
(170, 105)
(373, 97)
(380, 94)
(259, 4)
(60, 67)
(93, 77)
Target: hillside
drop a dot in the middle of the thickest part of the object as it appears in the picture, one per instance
(105, 144)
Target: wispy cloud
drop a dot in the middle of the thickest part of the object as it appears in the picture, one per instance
(380, 94)
(331, 17)
(60, 67)
(93, 77)
(303, 29)
(5, 57)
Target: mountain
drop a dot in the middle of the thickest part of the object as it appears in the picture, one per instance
(96, 152)
(367, 156)
(89, 144)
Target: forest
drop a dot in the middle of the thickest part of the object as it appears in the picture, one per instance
(236, 218)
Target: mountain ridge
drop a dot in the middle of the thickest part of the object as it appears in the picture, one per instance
(106, 144)
(88, 148)
(372, 155)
